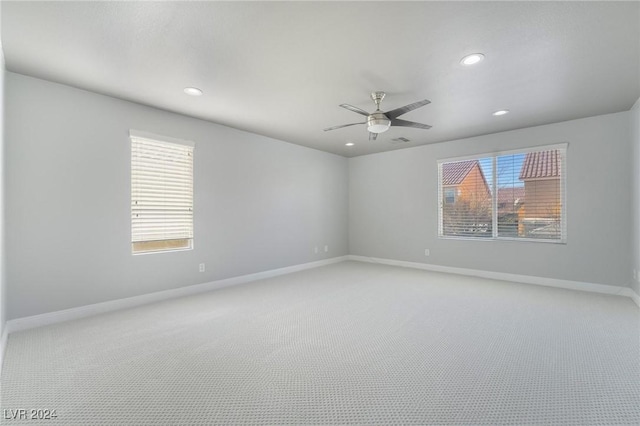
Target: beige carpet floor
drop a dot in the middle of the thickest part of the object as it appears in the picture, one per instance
(349, 343)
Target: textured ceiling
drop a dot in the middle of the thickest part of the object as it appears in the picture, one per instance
(281, 69)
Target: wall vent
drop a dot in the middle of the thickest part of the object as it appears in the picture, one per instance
(398, 140)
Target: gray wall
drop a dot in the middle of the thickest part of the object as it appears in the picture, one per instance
(3, 299)
(260, 203)
(635, 193)
(393, 209)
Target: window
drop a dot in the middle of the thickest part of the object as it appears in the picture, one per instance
(449, 195)
(517, 195)
(161, 193)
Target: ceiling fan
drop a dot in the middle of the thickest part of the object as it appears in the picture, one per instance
(380, 121)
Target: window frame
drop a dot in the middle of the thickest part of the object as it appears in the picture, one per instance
(141, 135)
(563, 147)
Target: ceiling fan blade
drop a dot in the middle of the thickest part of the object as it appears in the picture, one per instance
(405, 109)
(405, 123)
(373, 136)
(354, 109)
(343, 125)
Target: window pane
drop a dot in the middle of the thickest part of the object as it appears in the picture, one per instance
(541, 213)
(467, 205)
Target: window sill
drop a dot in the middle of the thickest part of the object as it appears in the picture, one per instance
(522, 240)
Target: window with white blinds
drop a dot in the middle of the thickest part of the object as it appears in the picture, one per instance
(161, 193)
(517, 195)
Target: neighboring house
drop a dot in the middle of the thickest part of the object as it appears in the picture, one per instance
(541, 175)
(463, 180)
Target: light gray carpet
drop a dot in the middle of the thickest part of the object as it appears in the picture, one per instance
(349, 343)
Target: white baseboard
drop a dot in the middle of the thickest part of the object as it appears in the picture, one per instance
(25, 323)
(525, 279)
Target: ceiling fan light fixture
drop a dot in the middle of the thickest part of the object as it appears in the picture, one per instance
(378, 122)
(472, 59)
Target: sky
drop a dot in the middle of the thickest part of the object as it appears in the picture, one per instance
(508, 170)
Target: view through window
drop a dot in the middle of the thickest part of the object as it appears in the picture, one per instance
(517, 195)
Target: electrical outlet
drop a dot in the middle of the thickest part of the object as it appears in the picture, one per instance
(427, 252)
(201, 268)
(316, 250)
(326, 249)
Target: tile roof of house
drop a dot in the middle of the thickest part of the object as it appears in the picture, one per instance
(541, 164)
(454, 173)
(509, 196)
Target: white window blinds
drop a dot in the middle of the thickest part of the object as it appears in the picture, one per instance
(515, 195)
(161, 194)
(466, 207)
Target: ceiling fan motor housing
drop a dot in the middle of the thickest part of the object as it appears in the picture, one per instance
(377, 122)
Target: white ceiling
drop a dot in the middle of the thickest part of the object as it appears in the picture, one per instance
(281, 69)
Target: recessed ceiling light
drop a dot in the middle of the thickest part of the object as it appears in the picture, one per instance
(193, 91)
(349, 144)
(501, 112)
(472, 59)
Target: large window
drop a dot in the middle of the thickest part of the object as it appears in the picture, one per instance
(514, 195)
(161, 193)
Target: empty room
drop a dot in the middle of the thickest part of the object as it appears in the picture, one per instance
(320, 213)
